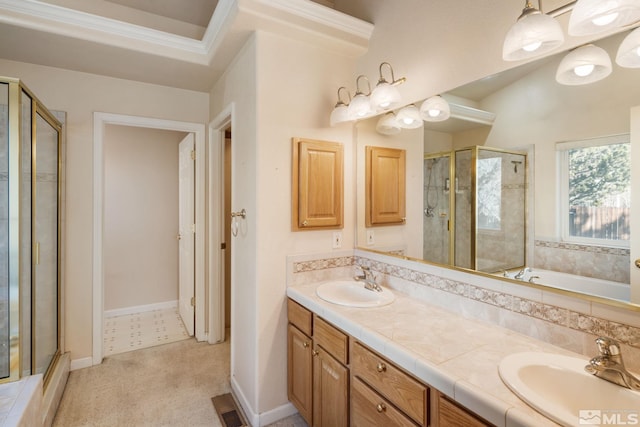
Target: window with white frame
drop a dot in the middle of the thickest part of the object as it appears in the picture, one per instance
(595, 190)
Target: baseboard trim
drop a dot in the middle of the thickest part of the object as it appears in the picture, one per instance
(85, 362)
(140, 308)
(252, 418)
(277, 414)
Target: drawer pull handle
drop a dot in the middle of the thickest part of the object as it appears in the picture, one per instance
(381, 367)
(381, 407)
(305, 344)
(315, 352)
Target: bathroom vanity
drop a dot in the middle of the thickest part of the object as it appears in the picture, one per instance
(407, 363)
(335, 380)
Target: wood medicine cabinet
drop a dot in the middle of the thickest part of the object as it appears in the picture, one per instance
(317, 185)
(385, 182)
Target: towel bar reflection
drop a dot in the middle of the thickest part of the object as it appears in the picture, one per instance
(234, 222)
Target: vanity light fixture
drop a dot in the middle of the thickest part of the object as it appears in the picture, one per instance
(388, 124)
(583, 65)
(629, 51)
(409, 117)
(360, 105)
(339, 113)
(385, 95)
(435, 109)
(533, 34)
(596, 16)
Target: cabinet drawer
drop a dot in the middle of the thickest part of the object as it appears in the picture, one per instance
(368, 408)
(331, 339)
(299, 316)
(452, 415)
(399, 388)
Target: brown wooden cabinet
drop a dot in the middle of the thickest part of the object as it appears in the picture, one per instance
(300, 367)
(391, 384)
(330, 391)
(317, 185)
(335, 381)
(385, 186)
(317, 368)
(450, 414)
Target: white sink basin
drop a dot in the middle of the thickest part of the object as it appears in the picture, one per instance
(558, 387)
(353, 294)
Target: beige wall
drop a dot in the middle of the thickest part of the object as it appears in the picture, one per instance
(238, 87)
(80, 94)
(140, 216)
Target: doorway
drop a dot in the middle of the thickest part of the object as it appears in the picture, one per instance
(148, 237)
(101, 121)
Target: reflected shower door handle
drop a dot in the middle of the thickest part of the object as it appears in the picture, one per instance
(36, 253)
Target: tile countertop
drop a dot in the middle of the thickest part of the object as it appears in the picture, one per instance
(456, 355)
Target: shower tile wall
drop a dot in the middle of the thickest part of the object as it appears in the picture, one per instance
(504, 248)
(436, 212)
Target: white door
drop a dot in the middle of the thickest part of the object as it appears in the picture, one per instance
(186, 230)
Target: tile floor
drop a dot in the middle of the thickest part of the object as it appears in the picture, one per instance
(142, 330)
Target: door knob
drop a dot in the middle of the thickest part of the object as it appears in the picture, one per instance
(638, 263)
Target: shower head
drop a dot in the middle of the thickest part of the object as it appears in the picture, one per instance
(515, 165)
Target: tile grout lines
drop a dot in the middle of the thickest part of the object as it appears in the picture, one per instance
(141, 330)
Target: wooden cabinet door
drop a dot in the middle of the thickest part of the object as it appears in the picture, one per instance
(317, 184)
(300, 372)
(385, 182)
(330, 391)
(452, 415)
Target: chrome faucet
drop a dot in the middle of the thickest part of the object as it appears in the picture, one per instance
(609, 366)
(368, 278)
(521, 273)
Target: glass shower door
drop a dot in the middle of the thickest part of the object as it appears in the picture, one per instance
(45, 246)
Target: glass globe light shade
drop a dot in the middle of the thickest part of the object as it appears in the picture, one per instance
(586, 64)
(385, 97)
(533, 34)
(629, 51)
(359, 107)
(596, 16)
(435, 109)
(409, 117)
(339, 114)
(388, 124)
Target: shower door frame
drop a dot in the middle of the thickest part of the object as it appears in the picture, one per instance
(452, 202)
(16, 350)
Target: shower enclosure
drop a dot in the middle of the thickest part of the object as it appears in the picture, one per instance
(30, 194)
(474, 208)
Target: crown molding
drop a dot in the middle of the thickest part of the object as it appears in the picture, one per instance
(299, 19)
(50, 18)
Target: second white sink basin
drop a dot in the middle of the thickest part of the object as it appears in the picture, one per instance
(351, 293)
(558, 387)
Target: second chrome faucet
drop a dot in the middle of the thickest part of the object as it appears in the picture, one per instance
(609, 366)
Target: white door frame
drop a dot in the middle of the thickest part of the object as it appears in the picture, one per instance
(216, 227)
(100, 120)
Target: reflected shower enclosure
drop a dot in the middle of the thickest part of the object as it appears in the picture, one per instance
(485, 189)
(30, 192)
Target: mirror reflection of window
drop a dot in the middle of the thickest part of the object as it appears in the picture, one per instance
(596, 177)
(489, 193)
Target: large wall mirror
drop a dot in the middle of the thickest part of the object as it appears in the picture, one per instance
(526, 138)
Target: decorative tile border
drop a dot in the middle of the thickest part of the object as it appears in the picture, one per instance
(582, 248)
(560, 316)
(322, 264)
